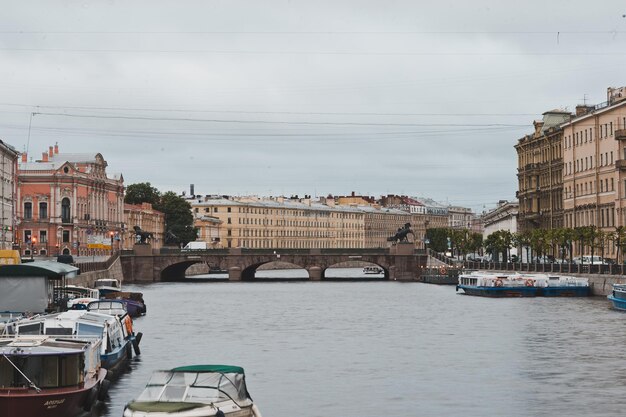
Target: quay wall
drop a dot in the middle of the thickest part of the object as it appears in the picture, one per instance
(87, 279)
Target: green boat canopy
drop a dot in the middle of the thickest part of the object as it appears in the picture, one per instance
(225, 369)
(49, 269)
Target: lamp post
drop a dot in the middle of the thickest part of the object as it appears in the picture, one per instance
(111, 235)
(33, 242)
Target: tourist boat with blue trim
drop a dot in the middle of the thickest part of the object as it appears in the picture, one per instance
(195, 391)
(618, 297)
(565, 286)
(372, 270)
(486, 284)
(50, 376)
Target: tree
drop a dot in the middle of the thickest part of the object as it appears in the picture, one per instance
(178, 217)
(142, 192)
(438, 238)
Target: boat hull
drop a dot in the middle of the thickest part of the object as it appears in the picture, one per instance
(618, 303)
(499, 292)
(57, 402)
(565, 291)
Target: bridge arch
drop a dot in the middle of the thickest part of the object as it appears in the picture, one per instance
(176, 271)
(249, 272)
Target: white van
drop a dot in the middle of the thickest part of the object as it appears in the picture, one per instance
(195, 246)
(589, 260)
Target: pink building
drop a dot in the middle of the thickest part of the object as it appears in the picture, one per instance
(67, 204)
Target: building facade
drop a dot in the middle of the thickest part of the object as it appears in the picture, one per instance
(67, 204)
(594, 151)
(540, 173)
(8, 176)
(147, 219)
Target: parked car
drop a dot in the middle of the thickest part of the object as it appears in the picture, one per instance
(589, 260)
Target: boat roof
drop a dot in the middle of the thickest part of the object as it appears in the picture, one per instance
(224, 369)
(49, 269)
(41, 345)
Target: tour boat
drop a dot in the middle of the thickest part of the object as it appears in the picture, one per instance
(618, 297)
(107, 285)
(500, 285)
(74, 297)
(565, 286)
(195, 391)
(372, 270)
(48, 376)
(115, 332)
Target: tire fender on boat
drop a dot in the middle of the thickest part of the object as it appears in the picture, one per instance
(219, 413)
(90, 399)
(103, 392)
(529, 283)
(136, 341)
(498, 282)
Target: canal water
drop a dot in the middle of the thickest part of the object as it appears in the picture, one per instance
(372, 349)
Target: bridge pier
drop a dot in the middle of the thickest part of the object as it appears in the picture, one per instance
(234, 273)
(315, 273)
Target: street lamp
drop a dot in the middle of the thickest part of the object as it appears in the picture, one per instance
(111, 234)
(33, 242)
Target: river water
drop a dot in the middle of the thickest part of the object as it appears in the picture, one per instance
(372, 349)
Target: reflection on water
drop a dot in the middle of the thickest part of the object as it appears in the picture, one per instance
(371, 349)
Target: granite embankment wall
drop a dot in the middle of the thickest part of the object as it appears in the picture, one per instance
(603, 284)
(87, 279)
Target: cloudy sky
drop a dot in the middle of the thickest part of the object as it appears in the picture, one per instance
(420, 98)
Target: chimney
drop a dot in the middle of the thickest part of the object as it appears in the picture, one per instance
(191, 190)
(582, 110)
(24, 157)
(56, 148)
(51, 151)
(44, 157)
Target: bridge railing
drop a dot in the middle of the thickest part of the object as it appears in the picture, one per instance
(226, 251)
(97, 266)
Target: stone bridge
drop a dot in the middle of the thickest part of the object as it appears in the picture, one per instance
(400, 262)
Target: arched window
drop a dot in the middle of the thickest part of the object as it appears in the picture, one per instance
(65, 210)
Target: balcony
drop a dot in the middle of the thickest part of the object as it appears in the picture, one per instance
(620, 164)
(620, 134)
(66, 220)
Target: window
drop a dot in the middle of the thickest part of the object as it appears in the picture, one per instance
(228, 209)
(43, 236)
(28, 210)
(65, 210)
(43, 210)
(66, 236)
(28, 233)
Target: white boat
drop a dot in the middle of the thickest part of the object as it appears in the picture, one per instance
(195, 391)
(374, 270)
(107, 285)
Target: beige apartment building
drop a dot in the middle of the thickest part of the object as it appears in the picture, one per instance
(540, 173)
(594, 165)
(289, 223)
(147, 219)
(8, 190)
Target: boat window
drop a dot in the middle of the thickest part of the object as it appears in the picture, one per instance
(36, 328)
(63, 331)
(85, 329)
(173, 393)
(70, 371)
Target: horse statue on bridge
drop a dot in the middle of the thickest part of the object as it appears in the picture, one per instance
(141, 236)
(401, 234)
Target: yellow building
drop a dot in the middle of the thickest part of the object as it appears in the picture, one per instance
(148, 219)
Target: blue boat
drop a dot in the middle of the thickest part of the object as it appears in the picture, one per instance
(565, 286)
(618, 297)
(493, 285)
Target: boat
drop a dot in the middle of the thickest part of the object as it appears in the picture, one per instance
(618, 297)
(565, 286)
(111, 307)
(50, 376)
(74, 297)
(373, 270)
(500, 285)
(107, 285)
(134, 302)
(195, 391)
(118, 339)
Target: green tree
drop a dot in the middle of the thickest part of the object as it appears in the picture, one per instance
(142, 192)
(438, 238)
(178, 216)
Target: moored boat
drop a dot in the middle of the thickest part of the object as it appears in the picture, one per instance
(373, 270)
(500, 285)
(618, 297)
(195, 391)
(565, 286)
(115, 332)
(107, 285)
(47, 376)
(135, 305)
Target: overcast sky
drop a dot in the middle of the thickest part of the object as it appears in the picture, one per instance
(303, 97)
